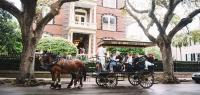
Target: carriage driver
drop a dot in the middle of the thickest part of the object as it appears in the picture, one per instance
(101, 53)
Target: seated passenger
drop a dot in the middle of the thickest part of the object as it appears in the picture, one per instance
(117, 62)
(98, 65)
(111, 59)
(150, 62)
(127, 62)
(135, 61)
(141, 60)
(125, 57)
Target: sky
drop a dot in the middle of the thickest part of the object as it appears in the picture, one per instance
(134, 30)
(16, 2)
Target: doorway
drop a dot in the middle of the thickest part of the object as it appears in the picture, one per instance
(81, 41)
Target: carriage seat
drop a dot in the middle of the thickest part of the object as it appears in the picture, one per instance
(129, 68)
(117, 68)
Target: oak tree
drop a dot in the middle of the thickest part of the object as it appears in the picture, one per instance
(30, 36)
(160, 14)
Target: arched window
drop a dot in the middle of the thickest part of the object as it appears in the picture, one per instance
(109, 23)
(109, 3)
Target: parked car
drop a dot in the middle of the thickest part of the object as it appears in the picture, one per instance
(196, 77)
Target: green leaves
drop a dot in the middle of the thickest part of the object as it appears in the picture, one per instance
(180, 40)
(127, 50)
(57, 44)
(195, 36)
(10, 36)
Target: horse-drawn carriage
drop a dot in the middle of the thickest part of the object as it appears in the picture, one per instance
(141, 77)
(77, 69)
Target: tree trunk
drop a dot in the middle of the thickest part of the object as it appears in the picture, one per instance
(30, 39)
(26, 70)
(167, 60)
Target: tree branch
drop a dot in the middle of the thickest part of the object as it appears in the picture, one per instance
(151, 38)
(55, 8)
(183, 23)
(169, 15)
(137, 19)
(164, 2)
(29, 10)
(5, 5)
(142, 26)
(153, 17)
(135, 10)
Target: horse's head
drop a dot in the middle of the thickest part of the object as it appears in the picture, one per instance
(46, 59)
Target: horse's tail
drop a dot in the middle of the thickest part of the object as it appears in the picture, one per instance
(84, 72)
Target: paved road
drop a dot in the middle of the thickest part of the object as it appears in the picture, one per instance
(90, 88)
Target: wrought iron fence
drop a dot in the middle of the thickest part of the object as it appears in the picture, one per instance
(12, 62)
(180, 66)
(9, 62)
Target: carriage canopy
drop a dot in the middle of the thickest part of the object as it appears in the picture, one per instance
(125, 43)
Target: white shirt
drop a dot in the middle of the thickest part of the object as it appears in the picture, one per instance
(101, 52)
(129, 60)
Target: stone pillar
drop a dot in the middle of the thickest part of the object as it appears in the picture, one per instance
(94, 44)
(71, 37)
(90, 17)
(90, 44)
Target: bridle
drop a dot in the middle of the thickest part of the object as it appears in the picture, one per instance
(44, 61)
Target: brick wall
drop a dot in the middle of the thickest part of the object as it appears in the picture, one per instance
(110, 11)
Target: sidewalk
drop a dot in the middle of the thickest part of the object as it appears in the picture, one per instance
(183, 76)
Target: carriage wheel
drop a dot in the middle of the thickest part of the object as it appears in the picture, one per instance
(100, 80)
(133, 79)
(146, 79)
(111, 81)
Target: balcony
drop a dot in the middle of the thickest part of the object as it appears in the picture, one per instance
(83, 25)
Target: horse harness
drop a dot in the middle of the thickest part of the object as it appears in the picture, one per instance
(62, 67)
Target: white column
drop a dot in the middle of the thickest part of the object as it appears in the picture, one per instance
(90, 44)
(71, 37)
(95, 9)
(90, 17)
(94, 44)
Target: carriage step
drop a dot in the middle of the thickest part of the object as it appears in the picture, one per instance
(121, 80)
(121, 76)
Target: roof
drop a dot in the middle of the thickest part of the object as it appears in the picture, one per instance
(125, 43)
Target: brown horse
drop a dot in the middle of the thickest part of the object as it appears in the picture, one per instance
(76, 68)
